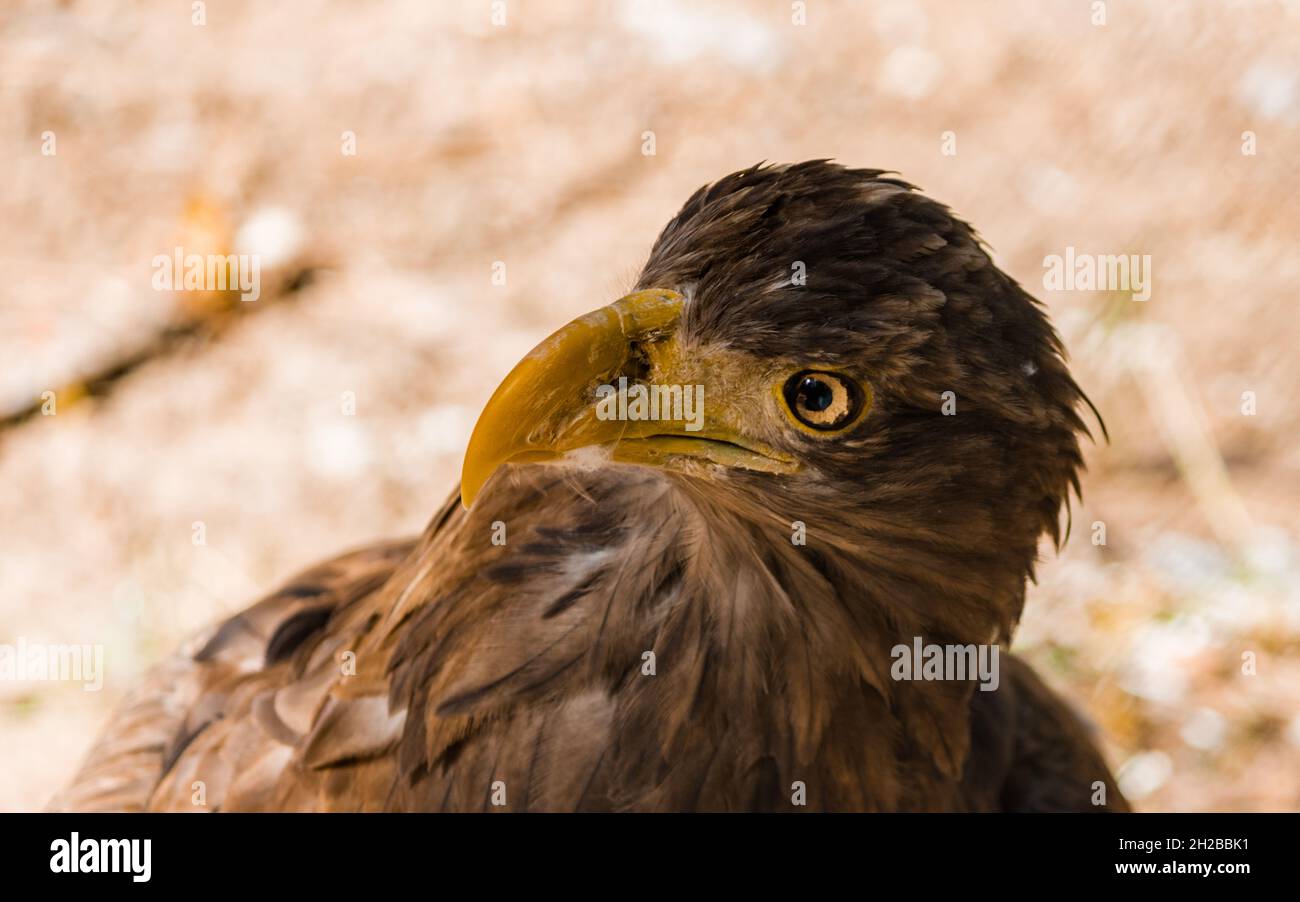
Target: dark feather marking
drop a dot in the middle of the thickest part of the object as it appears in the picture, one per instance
(302, 590)
(458, 704)
(178, 747)
(532, 761)
(446, 794)
(569, 599)
(591, 778)
(449, 507)
(290, 634)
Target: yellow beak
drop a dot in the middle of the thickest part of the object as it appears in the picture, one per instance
(548, 405)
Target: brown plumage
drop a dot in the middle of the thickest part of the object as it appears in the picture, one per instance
(650, 637)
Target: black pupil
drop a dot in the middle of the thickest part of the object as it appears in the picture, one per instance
(815, 395)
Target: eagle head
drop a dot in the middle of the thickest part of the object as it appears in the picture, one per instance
(821, 344)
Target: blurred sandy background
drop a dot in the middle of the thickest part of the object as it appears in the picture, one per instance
(523, 143)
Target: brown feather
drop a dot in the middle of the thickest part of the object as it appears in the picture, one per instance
(420, 675)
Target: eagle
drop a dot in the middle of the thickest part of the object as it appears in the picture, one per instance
(693, 531)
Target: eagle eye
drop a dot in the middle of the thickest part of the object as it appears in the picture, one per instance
(823, 401)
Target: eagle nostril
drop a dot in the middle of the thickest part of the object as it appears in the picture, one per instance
(638, 367)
